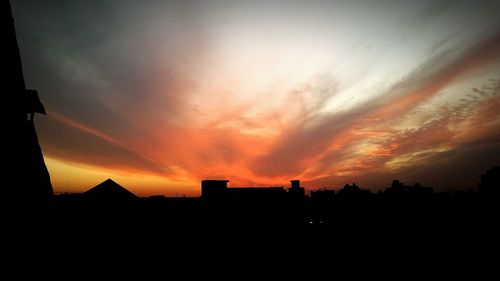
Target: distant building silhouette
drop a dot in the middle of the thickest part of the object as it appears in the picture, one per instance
(27, 175)
(296, 191)
(213, 188)
(420, 189)
(490, 181)
(351, 189)
(217, 189)
(398, 187)
(323, 194)
(255, 193)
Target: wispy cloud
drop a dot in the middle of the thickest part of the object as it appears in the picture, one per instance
(79, 143)
(296, 149)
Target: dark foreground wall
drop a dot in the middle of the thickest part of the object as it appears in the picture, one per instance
(443, 238)
(24, 174)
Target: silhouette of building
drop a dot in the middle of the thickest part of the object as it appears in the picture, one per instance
(351, 189)
(323, 194)
(352, 192)
(213, 188)
(33, 105)
(109, 190)
(417, 188)
(296, 191)
(28, 177)
(255, 193)
(398, 187)
(490, 181)
(217, 189)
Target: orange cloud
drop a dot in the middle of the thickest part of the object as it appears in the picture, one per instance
(270, 147)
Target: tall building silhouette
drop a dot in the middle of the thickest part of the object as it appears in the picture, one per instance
(296, 190)
(26, 175)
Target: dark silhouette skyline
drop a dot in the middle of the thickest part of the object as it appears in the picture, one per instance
(349, 234)
(219, 190)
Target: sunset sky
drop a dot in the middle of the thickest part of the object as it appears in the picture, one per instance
(161, 94)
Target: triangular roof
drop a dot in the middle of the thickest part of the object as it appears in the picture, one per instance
(110, 190)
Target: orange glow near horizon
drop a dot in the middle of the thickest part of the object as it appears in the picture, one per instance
(69, 177)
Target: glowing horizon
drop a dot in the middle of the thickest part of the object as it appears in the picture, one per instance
(159, 96)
